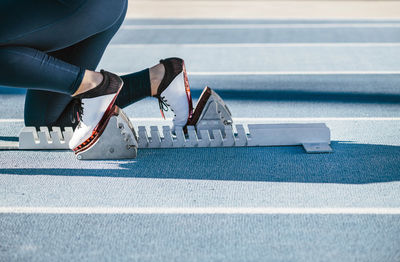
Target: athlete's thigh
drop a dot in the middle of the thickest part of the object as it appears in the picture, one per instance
(49, 25)
(88, 52)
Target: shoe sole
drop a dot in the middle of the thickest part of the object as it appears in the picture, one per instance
(97, 134)
(187, 90)
(98, 130)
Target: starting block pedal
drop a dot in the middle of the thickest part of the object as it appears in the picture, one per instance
(210, 126)
(117, 141)
(211, 113)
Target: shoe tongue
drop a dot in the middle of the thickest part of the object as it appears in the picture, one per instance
(99, 90)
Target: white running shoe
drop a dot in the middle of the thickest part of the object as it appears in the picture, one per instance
(174, 92)
(98, 104)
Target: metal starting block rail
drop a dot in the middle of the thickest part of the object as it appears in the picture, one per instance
(210, 126)
(315, 138)
(118, 140)
(30, 138)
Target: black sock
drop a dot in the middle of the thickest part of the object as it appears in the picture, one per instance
(136, 87)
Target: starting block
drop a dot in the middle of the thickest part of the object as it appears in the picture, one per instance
(117, 141)
(210, 126)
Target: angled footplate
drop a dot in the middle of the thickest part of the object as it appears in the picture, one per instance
(211, 113)
(117, 141)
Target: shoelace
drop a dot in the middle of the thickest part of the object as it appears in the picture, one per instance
(164, 106)
(78, 108)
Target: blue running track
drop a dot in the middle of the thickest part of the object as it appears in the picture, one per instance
(227, 204)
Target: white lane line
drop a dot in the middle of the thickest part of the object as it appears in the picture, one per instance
(256, 119)
(252, 45)
(298, 73)
(216, 73)
(199, 210)
(239, 119)
(265, 119)
(11, 120)
(259, 26)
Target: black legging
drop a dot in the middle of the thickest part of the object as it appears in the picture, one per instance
(46, 45)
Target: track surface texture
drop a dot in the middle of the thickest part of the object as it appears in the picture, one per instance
(227, 204)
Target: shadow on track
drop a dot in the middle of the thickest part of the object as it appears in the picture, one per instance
(349, 164)
(306, 96)
(369, 88)
(9, 138)
(12, 91)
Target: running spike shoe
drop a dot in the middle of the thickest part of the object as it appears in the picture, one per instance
(97, 105)
(174, 92)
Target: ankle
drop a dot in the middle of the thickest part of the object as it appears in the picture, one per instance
(90, 80)
(156, 75)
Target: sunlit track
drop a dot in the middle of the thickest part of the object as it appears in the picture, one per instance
(200, 210)
(252, 45)
(259, 26)
(296, 73)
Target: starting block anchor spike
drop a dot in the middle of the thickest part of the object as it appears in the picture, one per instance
(312, 148)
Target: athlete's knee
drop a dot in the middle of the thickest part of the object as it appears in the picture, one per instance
(116, 10)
